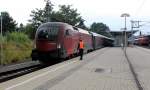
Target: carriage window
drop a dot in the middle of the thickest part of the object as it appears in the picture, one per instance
(53, 30)
(48, 32)
(43, 34)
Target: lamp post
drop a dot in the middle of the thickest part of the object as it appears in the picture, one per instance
(1, 54)
(125, 28)
(132, 39)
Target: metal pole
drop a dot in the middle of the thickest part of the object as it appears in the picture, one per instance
(132, 32)
(48, 13)
(2, 40)
(49, 7)
(125, 36)
(125, 23)
(125, 33)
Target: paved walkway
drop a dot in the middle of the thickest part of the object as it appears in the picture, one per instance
(104, 69)
(109, 71)
(140, 59)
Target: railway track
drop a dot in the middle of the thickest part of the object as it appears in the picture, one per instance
(14, 71)
(17, 70)
(4, 76)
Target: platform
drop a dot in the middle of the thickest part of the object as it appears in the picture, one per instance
(104, 69)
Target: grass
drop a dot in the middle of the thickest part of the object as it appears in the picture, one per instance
(17, 47)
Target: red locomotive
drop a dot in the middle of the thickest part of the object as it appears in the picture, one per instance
(60, 40)
(142, 40)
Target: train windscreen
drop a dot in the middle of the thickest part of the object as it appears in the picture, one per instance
(48, 32)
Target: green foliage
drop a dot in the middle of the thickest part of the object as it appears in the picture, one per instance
(21, 28)
(68, 15)
(100, 28)
(37, 17)
(82, 25)
(16, 47)
(48, 10)
(1, 39)
(40, 16)
(15, 52)
(18, 37)
(8, 23)
(64, 14)
(30, 31)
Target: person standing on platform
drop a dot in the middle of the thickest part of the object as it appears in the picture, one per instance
(81, 49)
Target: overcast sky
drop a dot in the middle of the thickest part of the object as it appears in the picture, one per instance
(106, 11)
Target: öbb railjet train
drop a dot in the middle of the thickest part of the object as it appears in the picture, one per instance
(60, 40)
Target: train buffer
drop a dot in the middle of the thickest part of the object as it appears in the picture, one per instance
(104, 69)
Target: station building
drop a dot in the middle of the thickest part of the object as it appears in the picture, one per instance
(119, 37)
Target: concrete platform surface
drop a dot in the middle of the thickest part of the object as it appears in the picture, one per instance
(140, 59)
(104, 69)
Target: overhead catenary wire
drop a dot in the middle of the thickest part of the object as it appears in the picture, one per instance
(140, 8)
(137, 12)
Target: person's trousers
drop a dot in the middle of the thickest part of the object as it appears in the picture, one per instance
(81, 53)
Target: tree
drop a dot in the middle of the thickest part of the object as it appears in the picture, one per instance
(9, 25)
(48, 11)
(37, 17)
(101, 29)
(40, 16)
(21, 28)
(29, 30)
(68, 15)
(65, 14)
(82, 25)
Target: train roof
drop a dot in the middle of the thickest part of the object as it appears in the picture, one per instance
(83, 31)
(96, 34)
(108, 38)
(79, 29)
(53, 23)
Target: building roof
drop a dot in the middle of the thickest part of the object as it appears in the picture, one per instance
(123, 31)
(129, 33)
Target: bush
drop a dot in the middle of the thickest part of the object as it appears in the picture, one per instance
(16, 48)
(0, 38)
(4, 38)
(18, 37)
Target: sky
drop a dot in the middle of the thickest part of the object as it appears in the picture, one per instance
(106, 11)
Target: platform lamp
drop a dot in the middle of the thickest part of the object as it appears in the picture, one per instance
(125, 28)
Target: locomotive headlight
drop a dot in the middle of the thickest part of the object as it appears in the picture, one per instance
(58, 46)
